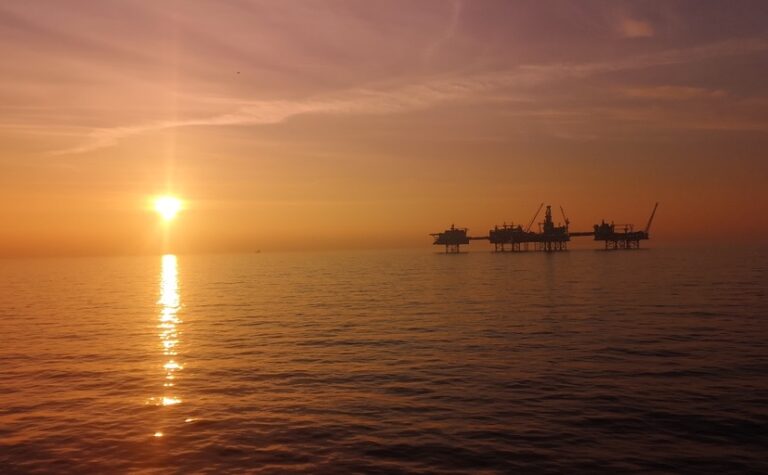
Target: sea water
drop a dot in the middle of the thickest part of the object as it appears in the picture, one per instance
(386, 362)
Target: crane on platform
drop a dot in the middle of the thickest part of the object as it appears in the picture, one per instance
(528, 228)
(650, 220)
(565, 218)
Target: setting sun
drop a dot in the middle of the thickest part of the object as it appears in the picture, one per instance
(168, 207)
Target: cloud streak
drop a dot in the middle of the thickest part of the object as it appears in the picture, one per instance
(629, 28)
(430, 93)
(673, 93)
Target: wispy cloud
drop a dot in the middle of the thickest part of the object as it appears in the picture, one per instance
(631, 28)
(448, 33)
(429, 93)
(673, 93)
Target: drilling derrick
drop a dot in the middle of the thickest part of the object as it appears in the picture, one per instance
(552, 237)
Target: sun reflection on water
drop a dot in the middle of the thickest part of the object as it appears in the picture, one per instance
(169, 322)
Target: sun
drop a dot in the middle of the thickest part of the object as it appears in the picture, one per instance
(167, 206)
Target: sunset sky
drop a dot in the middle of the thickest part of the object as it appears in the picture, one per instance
(354, 124)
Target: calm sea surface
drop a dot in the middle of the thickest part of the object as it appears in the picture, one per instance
(386, 362)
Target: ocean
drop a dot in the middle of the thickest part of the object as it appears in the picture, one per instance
(649, 361)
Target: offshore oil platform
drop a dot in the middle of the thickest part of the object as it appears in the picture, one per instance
(549, 237)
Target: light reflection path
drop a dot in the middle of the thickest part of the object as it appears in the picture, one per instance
(169, 322)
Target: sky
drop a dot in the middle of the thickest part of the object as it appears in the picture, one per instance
(369, 124)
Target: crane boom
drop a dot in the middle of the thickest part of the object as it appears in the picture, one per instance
(650, 220)
(565, 218)
(534, 218)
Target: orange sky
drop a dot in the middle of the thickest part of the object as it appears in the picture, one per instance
(348, 124)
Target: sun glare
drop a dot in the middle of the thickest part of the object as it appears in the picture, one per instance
(168, 207)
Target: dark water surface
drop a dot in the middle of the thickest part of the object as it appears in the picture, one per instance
(402, 361)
